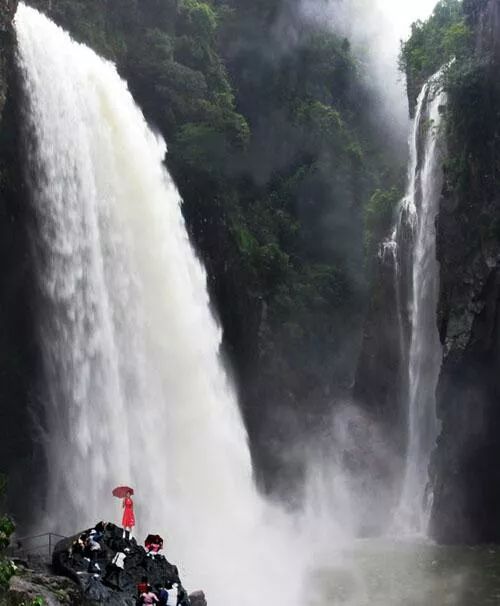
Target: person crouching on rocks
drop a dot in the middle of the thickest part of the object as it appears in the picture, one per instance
(128, 520)
(92, 549)
(149, 597)
(115, 568)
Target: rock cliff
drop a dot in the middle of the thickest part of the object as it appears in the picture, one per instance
(464, 469)
(17, 352)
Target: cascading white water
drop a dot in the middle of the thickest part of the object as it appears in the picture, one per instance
(417, 273)
(134, 389)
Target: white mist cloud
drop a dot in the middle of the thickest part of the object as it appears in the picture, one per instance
(375, 29)
(401, 13)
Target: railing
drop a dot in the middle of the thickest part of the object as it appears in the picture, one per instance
(39, 544)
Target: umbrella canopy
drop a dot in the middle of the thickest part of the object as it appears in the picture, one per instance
(153, 538)
(121, 491)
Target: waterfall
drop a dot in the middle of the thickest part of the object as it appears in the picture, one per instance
(417, 288)
(134, 391)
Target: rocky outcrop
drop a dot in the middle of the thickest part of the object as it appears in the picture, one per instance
(68, 582)
(138, 564)
(466, 487)
(27, 585)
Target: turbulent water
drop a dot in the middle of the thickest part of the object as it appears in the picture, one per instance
(133, 391)
(417, 273)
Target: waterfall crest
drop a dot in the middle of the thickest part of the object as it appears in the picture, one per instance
(133, 391)
(413, 249)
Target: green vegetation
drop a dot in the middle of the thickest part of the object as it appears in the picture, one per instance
(434, 43)
(6, 529)
(379, 216)
(473, 93)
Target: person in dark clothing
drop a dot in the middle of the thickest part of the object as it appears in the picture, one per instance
(182, 596)
(91, 552)
(162, 593)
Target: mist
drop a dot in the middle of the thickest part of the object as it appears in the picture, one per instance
(375, 29)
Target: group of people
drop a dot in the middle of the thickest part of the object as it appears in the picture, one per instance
(88, 544)
(168, 594)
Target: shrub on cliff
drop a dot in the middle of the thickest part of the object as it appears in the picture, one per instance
(6, 529)
(433, 43)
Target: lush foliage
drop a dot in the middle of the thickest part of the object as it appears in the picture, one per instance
(434, 43)
(6, 529)
(379, 215)
(472, 108)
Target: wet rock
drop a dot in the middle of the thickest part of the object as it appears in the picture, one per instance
(463, 468)
(26, 586)
(137, 565)
(197, 598)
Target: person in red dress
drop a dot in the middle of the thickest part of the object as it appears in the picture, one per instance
(128, 520)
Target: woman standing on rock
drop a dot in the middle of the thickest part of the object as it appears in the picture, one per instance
(128, 520)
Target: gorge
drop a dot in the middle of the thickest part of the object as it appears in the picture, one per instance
(325, 374)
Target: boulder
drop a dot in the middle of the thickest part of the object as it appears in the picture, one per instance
(27, 585)
(138, 564)
(197, 598)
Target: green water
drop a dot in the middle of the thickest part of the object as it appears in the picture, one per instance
(383, 573)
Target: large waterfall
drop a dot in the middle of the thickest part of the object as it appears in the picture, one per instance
(134, 391)
(413, 247)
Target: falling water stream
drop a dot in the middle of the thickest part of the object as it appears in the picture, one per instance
(134, 390)
(417, 219)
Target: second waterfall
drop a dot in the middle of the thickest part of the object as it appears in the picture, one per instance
(133, 390)
(416, 269)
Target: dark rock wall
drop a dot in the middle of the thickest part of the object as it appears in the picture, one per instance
(379, 386)
(484, 16)
(465, 469)
(16, 328)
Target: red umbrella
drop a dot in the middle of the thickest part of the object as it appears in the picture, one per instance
(121, 491)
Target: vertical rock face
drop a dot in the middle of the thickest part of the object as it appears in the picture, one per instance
(377, 386)
(8, 9)
(465, 465)
(16, 352)
(484, 16)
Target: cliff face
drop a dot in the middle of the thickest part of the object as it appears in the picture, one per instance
(6, 16)
(484, 16)
(16, 327)
(464, 470)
